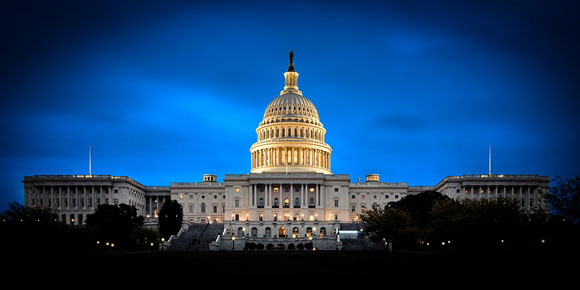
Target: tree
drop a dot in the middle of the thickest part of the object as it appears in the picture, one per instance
(564, 199)
(478, 223)
(38, 229)
(115, 224)
(170, 218)
(419, 206)
(386, 224)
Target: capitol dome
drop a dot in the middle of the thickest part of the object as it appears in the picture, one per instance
(291, 136)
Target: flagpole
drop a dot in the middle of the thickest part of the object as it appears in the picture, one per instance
(489, 159)
(90, 161)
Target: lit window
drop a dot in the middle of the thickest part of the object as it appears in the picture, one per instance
(312, 189)
(237, 189)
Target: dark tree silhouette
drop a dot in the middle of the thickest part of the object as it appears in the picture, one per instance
(170, 218)
(115, 224)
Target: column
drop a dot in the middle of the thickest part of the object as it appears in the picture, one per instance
(303, 195)
(319, 188)
(291, 203)
(266, 195)
(316, 195)
(253, 197)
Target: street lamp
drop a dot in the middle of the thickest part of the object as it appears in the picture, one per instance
(233, 242)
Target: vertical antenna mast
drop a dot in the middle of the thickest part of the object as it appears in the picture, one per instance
(489, 159)
(90, 165)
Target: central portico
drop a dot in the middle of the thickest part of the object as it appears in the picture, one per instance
(283, 197)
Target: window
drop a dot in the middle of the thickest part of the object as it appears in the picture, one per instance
(353, 208)
(295, 232)
(237, 189)
(237, 203)
(275, 202)
(191, 209)
(336, 189)
(336, 203)
(353, 196)
(203, 207)
(322, 232)
(268, 232)
(215, 209)
(254, 232)
(308, 231)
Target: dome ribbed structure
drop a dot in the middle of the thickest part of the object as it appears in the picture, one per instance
(291, 136)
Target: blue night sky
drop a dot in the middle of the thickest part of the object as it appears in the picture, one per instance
(166, 91)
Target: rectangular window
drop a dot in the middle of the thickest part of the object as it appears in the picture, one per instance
(336, 189)
(191, 209)
(336, 203)
(237, 203)
(215, 209)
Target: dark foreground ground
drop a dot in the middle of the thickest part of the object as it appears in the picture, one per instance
(329, 268)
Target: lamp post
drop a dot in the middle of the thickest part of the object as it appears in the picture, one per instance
(233, 243)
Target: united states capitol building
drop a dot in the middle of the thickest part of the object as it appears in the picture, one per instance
(290, 199)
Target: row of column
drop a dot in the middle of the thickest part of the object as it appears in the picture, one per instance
(504, 191)
(290, 156)
(85, 198)
(65, 198)
(154, 204)
(526, 197)
(269, 195)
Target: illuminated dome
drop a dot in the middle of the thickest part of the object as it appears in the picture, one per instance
(291, 136)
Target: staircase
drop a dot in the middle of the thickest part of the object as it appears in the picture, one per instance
(197, 237)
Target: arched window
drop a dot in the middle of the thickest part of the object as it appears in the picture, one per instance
(282, 232)
(240, 232)
(254, 232)
(322, 232)
(308, 231)
(267, 232)
(295, 232)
